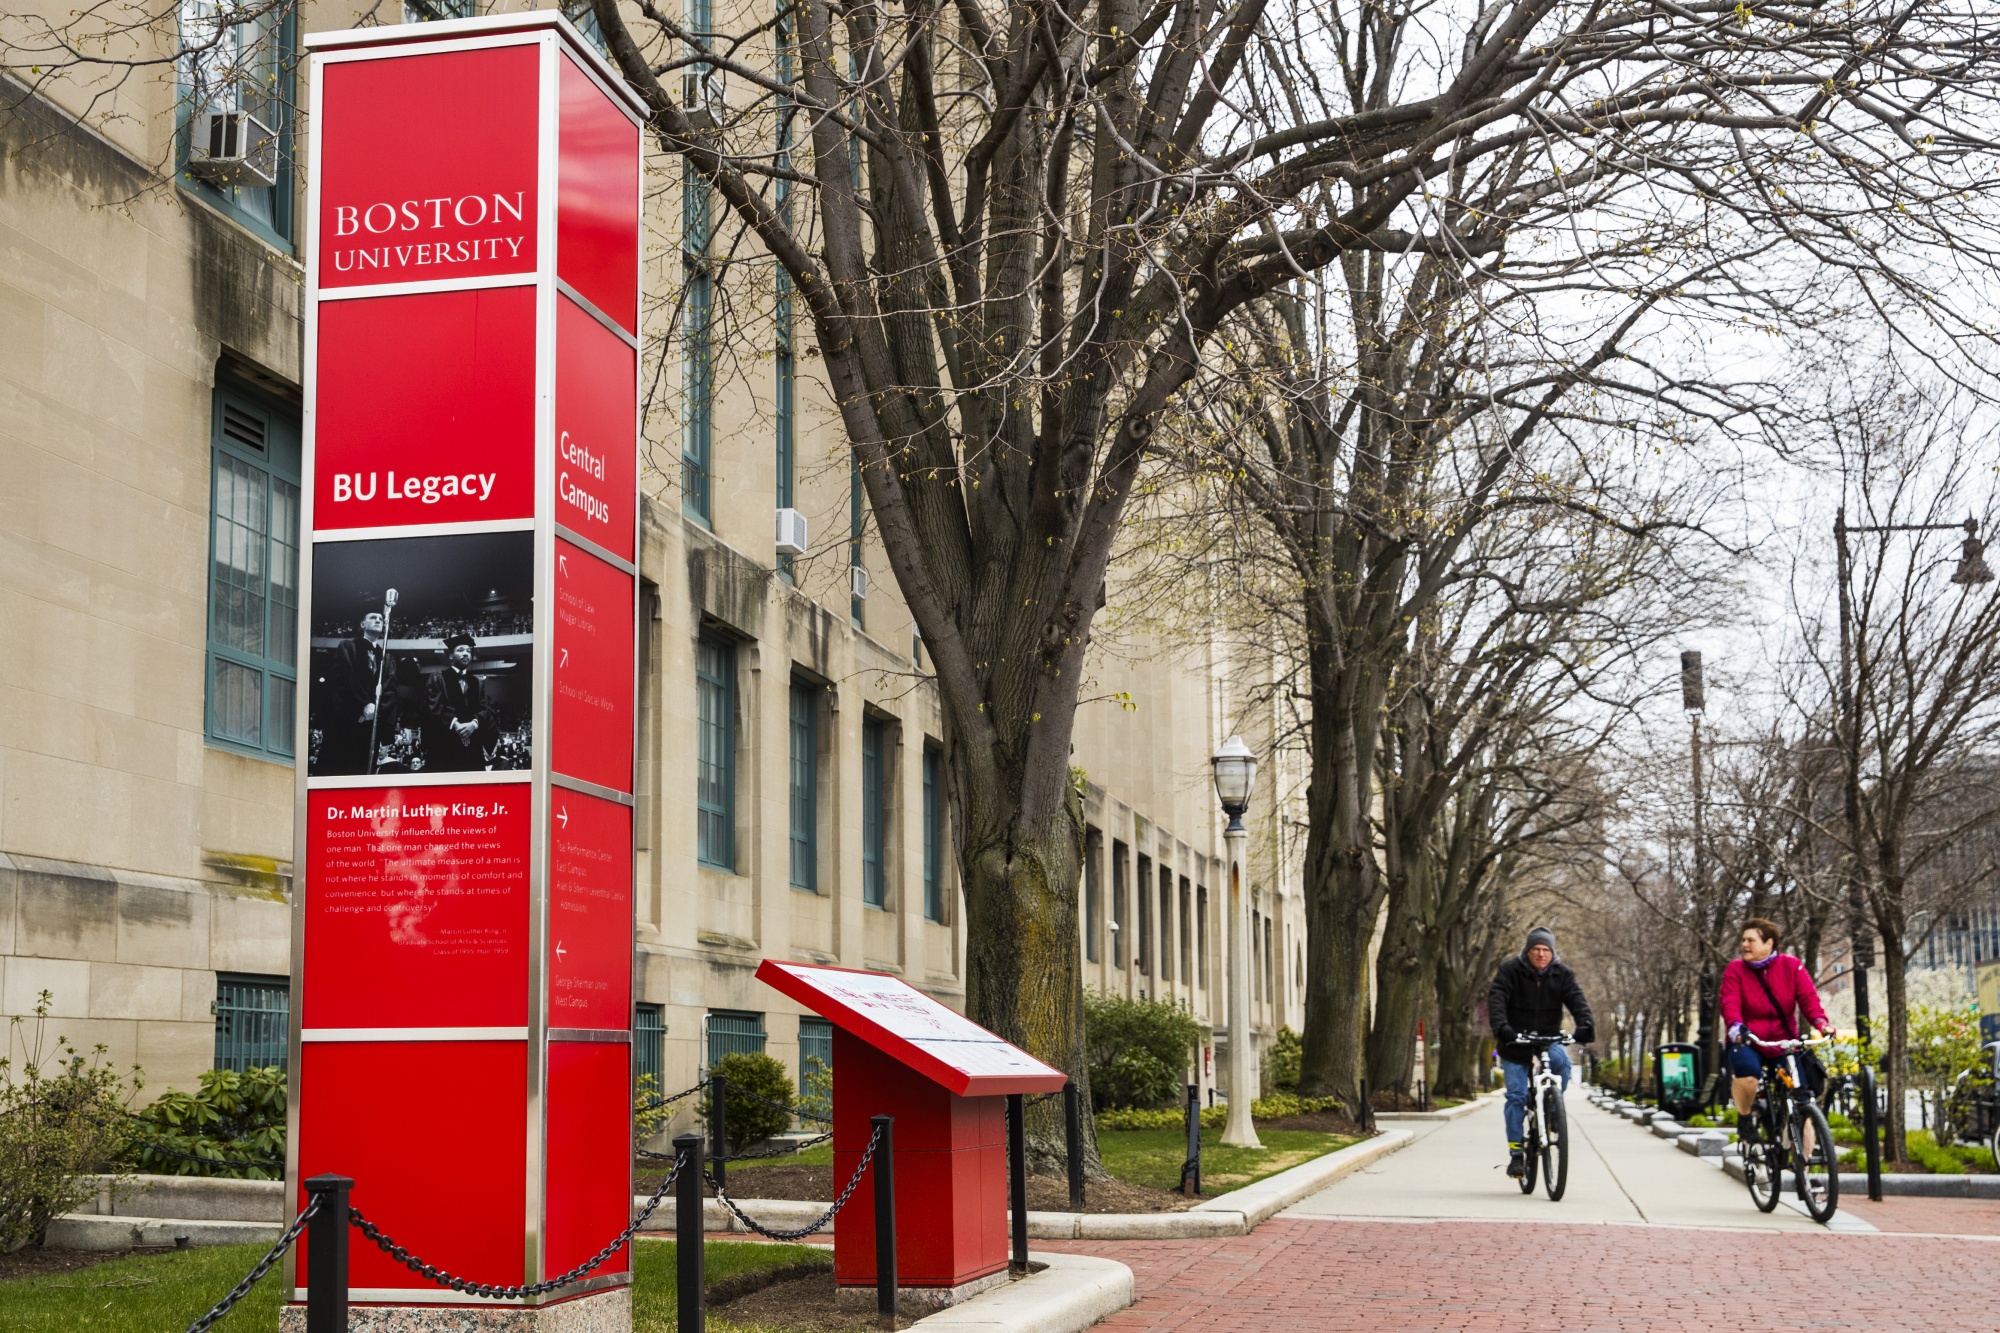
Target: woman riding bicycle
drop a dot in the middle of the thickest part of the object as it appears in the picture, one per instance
(1763, 993)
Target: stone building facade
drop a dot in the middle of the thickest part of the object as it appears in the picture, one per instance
(789, 805)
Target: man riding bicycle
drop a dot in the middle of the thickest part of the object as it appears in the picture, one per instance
(1763, 992)
(1529, 994)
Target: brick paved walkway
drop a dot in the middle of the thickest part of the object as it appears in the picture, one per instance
(1941, 1217)
(1384, 1277)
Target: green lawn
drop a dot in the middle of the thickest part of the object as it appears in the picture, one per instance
(162, 1293)
(1153, 1156)
(820, 1156)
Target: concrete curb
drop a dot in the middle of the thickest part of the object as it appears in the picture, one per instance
(92, 1231)
(1071, 1294)
(1231, 1214)
(1854, 1184)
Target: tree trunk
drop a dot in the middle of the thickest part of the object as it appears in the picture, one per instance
(1403, 973)
(1343, 886)
(1024, 973)
(1896, 984)
(1460, 1040)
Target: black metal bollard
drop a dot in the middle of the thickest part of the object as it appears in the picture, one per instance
(718, 1118)
(885, 1220)
(1367, 1117)
(1073, 1143)
(689, 1236)
(1423, 1095)
(1017, 1178)
(1191, 1171)
(1871, 1134)
(326, 1255)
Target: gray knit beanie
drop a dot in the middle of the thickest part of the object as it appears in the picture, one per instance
(1540, 935)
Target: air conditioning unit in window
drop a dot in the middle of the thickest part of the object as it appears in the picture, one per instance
(704, 94)
(857, 580)
(232, 148)
(791, 532)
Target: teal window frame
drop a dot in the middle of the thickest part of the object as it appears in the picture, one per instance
(715, 752)
(804, 709)
(272, 103)
(1165, 952)
(1201, 936)
(815, 1043)
(733, 1032)
(697, 350)
(1093, 895)
(1142, 893)
(933, 834)
(253, 1021)
(1118, 929)
(253, 572)
(438, 11)
(649, 1045)
(874, 883)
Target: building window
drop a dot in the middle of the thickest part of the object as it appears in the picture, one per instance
(731, 1032)
(933, 833)
(815, 1068)
(1118, 904)
(1201, 935)
(432, 11)
(857, 606)
(784, 370)
(238, 58)
(649, 1045)
(1142, 954)
(874, 889)
(697, 361)
(1186, 936)
(1093, 892)
(1166, 924)
(1256, 967)
(715, 752)
(253, 586)
(805, 787)
(1270, 966)
(253, 1021)
(584, 17)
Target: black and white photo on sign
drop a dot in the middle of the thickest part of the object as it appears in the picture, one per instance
(422, 655)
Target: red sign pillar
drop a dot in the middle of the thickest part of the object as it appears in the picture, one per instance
(462, 938)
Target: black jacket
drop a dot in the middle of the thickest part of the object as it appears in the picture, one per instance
(1524, 1000)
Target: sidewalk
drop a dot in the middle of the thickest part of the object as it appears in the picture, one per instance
(1617, 1174)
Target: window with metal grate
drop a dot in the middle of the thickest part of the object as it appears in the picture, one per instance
(252, 1021)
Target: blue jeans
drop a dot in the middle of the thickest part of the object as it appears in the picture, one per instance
(1519, 1081)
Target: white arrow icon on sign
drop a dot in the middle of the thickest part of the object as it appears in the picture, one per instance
(562, 815)
(559, 949)
(562, 564)
(565, 658)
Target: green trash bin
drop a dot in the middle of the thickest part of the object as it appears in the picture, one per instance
(1677, 1075)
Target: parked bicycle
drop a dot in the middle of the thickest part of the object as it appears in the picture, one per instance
(1791, 1133)
(1545, 1133)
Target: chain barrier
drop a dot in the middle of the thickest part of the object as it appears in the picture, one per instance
(659, 1102)
(256, 1274)
(867, 1156)
(431, 1273)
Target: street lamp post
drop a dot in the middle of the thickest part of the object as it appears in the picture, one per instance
(1694, 702)
(1972, 570)
(1235, 773)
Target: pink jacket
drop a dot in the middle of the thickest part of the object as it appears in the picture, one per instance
(1743, 1001)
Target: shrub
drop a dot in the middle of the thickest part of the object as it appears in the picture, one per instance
(1283, 1062)
(648, 1113)
(231, 1126)
(759, 1100)
(1139, 1050)
(815, 1089)
(62, 1119)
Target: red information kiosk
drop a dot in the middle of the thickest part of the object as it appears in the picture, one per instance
(897, 1051)
(462, 940)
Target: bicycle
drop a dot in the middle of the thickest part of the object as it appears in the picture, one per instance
(1786, 1116)
(1545, 1132)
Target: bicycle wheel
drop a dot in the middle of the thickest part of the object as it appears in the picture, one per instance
(1531, 1136)
(1818, 1171)
(1763, 1164)
(1555, 1147)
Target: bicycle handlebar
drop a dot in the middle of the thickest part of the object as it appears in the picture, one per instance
(1795, 1044)
(1559, 1039)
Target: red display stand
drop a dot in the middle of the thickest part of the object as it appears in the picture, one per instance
(462, 939)
(897, 1051)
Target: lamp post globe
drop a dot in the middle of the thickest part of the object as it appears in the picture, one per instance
(1972, 567)
(1235, 769)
